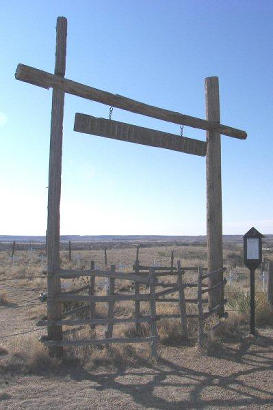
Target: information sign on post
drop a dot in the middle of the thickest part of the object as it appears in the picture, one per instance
(252, 259)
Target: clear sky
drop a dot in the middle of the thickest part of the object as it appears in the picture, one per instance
(158, 52)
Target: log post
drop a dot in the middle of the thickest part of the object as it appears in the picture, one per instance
(54, 309)
(270, 285)
(92, 293)
(214, 193)
(69, 251)
(182, 301)
(201, 335)
(105, 257)
(153, 315)
(137, 302)
(111, 292)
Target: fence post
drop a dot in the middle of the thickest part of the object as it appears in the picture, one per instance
(214, 192)
(54, 308)
(172, 260)
(105, 257)
(91, 293)
(270, 284)
(13, 249)
(137, 302)
(200, 310)
(69, 251)
(153, 315)
(182, 303)
(111, 290)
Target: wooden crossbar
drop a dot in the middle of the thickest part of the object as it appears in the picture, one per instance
(46, 80)
(70, 274)
(138, 135)
(111, 340)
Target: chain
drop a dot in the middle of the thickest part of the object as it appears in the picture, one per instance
(110, 113)
(181, 130)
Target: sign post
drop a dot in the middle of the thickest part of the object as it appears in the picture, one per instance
(252, 259)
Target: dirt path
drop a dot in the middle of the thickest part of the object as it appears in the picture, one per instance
(239, 377)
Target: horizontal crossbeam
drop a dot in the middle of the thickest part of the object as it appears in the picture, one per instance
(138, 135)
(46, 80)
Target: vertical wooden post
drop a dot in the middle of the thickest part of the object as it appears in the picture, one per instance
(137, 302)
(13, 249)
(91, 293)
(54, 190)
(69, 251)
(111, 291)
(270, 284)
(200, 310)
(153, 315)
(172, 260)
(214, 192)
(182, 302)
(105, 256)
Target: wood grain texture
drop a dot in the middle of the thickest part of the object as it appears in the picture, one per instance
(182, 301)
(153, 316)
(201, 324)
(69, 274)
(54, 309)
(138, 135)
(214, 192)
(46, 80)
(111, 291)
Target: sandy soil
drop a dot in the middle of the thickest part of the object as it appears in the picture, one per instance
(239, 375)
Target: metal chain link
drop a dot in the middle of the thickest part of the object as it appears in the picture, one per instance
(181, 130)
(110, 113)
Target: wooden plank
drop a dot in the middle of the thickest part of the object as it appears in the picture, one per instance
(270, 285)
(148, 339)
(54, 309)
(66, 297)
(182, 302)
(137, 302)
(207, 275)
(102, 322)
(174, 288)
(92, 293)
(46, 80)
(110, 291)
(201, 324)
(214, 191)
(153, 316)
(218, 285)
(138, 135)
(70, 274)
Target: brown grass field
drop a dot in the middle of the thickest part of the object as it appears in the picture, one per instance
(234, 370)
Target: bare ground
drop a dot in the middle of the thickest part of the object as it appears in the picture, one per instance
(237, 375)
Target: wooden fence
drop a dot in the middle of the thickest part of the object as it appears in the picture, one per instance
(156, 290)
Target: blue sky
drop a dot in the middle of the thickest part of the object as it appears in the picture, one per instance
(158, 52)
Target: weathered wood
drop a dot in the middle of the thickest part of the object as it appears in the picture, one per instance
(214, 191)
(105, 257)
(110, 291)
(149, 339)
(214, 310)
(102, 322)
(270, 285)
(153, 316)
(66, 297)
(69, 251)
(73, 311)
(70, 274)
(201, 334)
(137, 303)
(92, 293)
(46, 80)
(138, 135)
(174, 288)
(54, 309)
(182, 302)
(207, 275)
(218, 285)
